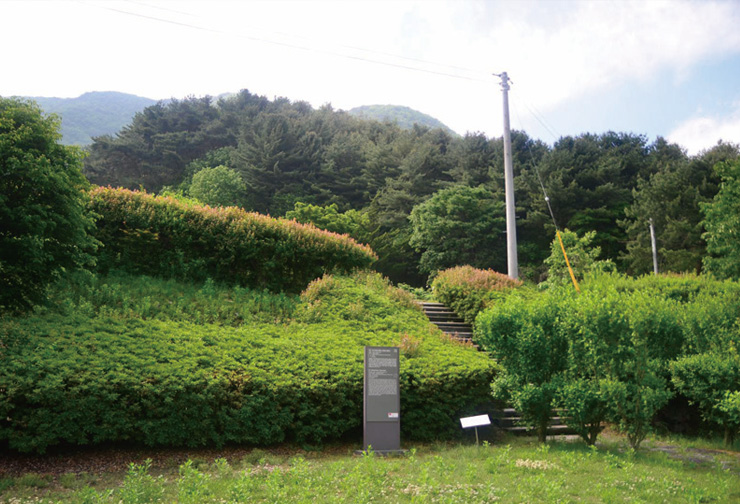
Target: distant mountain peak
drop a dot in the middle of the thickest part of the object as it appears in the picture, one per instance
(404, 116)
(94, 113)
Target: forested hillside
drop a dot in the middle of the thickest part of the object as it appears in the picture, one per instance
(367, 178)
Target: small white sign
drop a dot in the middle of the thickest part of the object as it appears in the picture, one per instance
(392, 415)
(475, 421)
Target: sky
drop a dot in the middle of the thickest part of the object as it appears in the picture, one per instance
(652, 67)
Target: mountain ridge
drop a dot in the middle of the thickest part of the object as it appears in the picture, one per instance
(93, 113)
(97, 113)
(404, 117)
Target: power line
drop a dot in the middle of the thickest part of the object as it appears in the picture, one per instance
(540, 119)
(301, 47)
(344, 46)
(161, 8)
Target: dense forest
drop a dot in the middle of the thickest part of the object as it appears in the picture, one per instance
(422, 198)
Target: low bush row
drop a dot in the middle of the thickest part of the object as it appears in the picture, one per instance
(618, 351)
(120, 295)
(164, 236)
(73, 378)
(468, 290)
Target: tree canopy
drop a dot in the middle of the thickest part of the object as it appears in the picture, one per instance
(459, 225)
(44, 225)
(722, 223)
(610, 184)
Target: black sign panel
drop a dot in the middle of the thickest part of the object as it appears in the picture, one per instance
(382, 399)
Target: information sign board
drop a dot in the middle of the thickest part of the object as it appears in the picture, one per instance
(382, 422)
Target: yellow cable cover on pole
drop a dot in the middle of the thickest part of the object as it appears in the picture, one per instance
(567, 262)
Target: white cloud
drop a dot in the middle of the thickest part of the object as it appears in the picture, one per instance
(703, 132)
(577, 47)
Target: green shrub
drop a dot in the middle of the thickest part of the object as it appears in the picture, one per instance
(89, 379)
(603, 346)
(730, 408)
(468, 290)
(621, 340)
(586, 406)
(706, 379)
(522, 335)
(582, 257)
(166, 237)
(140, 487)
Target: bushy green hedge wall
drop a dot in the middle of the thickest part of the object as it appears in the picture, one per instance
(468, 290)
(163, 236)
(624, 340)
(74, 378)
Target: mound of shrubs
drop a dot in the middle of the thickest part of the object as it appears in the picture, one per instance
(468, 290)
(618, 351)
(167, 237)
(112, 375)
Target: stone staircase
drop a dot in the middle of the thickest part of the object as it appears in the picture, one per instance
(448, 321)
(508, 420)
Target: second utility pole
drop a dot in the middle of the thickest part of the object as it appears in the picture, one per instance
(512, 260)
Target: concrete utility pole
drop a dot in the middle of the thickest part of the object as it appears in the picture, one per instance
(655, 247)
(513, 261)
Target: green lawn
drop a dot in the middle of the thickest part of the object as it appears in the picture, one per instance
(509, 470)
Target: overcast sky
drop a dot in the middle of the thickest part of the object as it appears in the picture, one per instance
(658, 68)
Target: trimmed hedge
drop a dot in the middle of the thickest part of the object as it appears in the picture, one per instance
(88, 380)
(468, 290)
(163, 236)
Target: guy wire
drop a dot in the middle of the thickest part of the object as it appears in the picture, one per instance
(552, 215)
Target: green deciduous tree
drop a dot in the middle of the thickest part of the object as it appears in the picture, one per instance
(352, 222)
(219, 186)
(457, 226)
(43, 222)
(582, 256)
(722, 224)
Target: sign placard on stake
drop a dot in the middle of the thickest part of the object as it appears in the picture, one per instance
(475, 421)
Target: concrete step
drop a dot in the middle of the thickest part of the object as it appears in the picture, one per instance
(448, 322)
(453, 320)
(514, 421)
(440, 313)
(553, 430)
(454, 326)
(508, 419)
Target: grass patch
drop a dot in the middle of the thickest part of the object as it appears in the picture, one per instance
(517, 470)
(123, 296)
